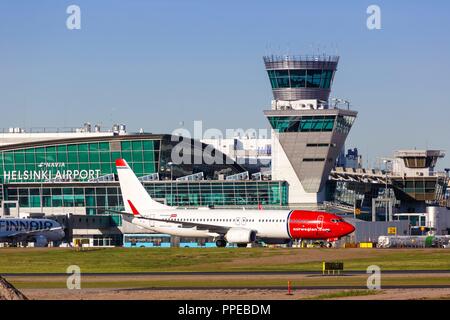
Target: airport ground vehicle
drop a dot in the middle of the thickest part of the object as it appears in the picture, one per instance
(429, 241)
(158, 240)
(146, 240)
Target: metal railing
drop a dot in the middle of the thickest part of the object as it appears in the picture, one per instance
(301, 58)
(41, 130)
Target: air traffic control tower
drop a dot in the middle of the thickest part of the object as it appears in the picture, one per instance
(308, 131)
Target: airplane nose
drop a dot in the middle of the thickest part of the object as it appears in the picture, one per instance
(349, 228)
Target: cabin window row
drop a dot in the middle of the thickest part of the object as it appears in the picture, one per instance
(227, 220)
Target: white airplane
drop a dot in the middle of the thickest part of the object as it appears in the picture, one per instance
(236, 226)
(39, 231)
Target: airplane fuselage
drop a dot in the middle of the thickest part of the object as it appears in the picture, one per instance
(226, 225)
(278, 224)
(20, 229)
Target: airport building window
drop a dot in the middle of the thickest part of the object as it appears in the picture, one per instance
(107, 241)
(303, 123)
(417, 162)
(313, 159)
(344, 123)
(421, 188)
(300, 78)
(321, 145)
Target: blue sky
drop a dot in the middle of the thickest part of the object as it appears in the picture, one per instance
(154, 64)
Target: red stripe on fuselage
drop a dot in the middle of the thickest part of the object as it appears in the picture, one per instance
(133, 208)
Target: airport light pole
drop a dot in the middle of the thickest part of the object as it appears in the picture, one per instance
(170, 164)
(386, 161)
(41, 194)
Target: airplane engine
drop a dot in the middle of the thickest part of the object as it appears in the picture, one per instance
(40, 241)
(240, 235)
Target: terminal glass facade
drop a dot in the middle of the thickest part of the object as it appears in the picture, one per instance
(347, 194)
(98, 197)
(77, 161)
(86, 161)
(408, 195)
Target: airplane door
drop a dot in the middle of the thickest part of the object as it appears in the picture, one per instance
(151, 222)
(319, 223)
(243, 221)
(10, 208)
(238, 221)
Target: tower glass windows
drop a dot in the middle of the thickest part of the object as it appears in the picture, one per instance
(303, 123)
(300, 78)
(344, 123)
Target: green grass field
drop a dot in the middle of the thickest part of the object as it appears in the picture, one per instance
(337, 281)
(113, 260)
(346, 293)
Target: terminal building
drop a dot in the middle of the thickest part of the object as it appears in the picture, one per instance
(409, 188)
(72, 176)
(79, 173)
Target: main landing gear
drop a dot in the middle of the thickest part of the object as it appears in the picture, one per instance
(221, 243)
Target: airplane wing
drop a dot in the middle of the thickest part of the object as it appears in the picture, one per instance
(31, 233)
(184, 224)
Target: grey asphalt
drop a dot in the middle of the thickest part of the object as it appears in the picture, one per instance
(285, 288)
